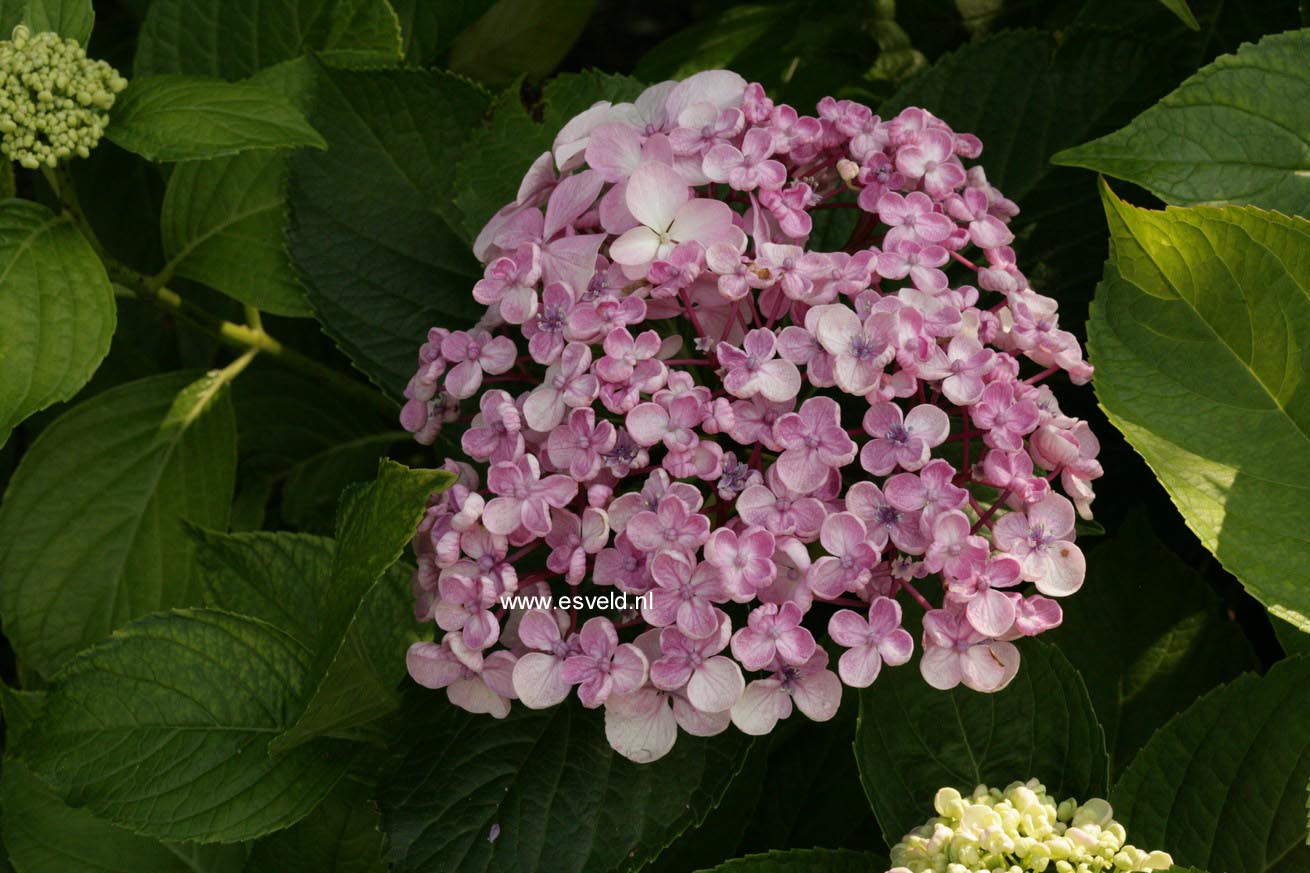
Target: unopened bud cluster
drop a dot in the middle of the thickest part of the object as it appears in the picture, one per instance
(1021, 830)
(54, 100)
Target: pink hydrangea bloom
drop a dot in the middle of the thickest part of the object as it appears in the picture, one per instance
(674, 395)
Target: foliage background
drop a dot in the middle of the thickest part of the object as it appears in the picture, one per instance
(156, 486)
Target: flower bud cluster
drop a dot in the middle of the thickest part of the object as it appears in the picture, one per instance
(54, 100)
(677, 393)
(1020, 830)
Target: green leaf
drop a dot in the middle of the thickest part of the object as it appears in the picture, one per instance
(222, 226)
(188, 759)
(1183, 11)
(90, 528)
(430, 28)
(1222, 786)
(186, 118)
(341, 835)
(804, 861)
(375, 524)
(373, 227)
(57, 311)
(1236, 132)
(286, 579)
(911, 739)
(712, 44)
(500, 152)
(71, 19)
(1173, 640)
(234, 39)
(313, 486)
(1198, 333)
(519, 37)
(813, 796)
(42, 833)
(563, 799)
(1293, 641)
(224, 220)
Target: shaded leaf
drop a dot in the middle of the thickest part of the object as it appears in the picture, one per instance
(1198, 334)
(91, 526)
(1222, 786)
(804, 861)
(341, 835)
(373, 225)
(1236, 132)
(1172, 640)
(563, 799)
(185, 118)
(912, 739)
(188, 760)
(518, 37)
(234, 39)
(71, 19)
(57, 312)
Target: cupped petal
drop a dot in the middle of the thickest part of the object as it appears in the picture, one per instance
(716, 685)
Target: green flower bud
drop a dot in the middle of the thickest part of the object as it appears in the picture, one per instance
(54, 100)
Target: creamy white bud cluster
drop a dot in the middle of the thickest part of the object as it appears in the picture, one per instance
(54, 100)
(1021, 830)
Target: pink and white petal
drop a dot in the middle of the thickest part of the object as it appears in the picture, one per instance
(779, 380)
(473, 695)
(537, 680)
(818, 695)
(760, 707)
(859, 666)
(847, 628)
(655, 193)
(716, 685)
(464, 379)
(635, 247)
(702, 220)
(629, 669)
(571, 260)
(697, 723)
(697, 618)
(1065, 568)
(544, 409)
(519, 304)
(502, 515)
(930, 423)
(754, 650)
(989, 666)
(640, 726)
(539, 630)
(879, 456)
(896, 648)
(573, 196)
(990, 612)
(940, 667)
(647, 423)
(1055, 513)
(614, 150)
(432, 666)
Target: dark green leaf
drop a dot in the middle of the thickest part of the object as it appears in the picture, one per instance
(518, 37)
(374, 526)
(373, 225)
(57, 311)
(912, 740)
(429, 28)
(341, 836)
(1222, 786)
(563, 800)
(1148, 635)
(91, 526)
(805, 861)
(1236, 132)
(1183, 11)
(1198, 334)
(1293, 641)
(186, 118)
(234, 39)
(45, 835)
(286, 579)
(71, 19)
(188, 759)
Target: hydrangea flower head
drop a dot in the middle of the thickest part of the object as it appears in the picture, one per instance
(1021, 830)
(54, 100)
(769, 376)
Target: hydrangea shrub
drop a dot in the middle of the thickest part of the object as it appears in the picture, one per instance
(675, 392)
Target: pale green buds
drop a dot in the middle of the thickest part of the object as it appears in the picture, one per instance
(54, 100)
(1021, 830)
